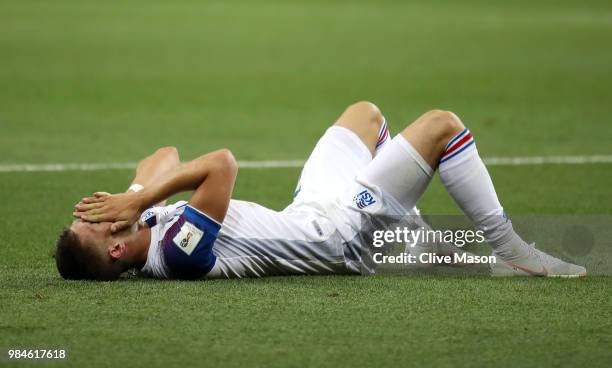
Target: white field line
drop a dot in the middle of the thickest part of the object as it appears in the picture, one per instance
(548, 160)
(281, 164)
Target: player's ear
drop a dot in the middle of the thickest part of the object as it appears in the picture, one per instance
(117, 250)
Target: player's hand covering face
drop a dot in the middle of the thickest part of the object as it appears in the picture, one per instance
(122, 209)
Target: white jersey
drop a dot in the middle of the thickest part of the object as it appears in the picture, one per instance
(337, 201)
(255, 241)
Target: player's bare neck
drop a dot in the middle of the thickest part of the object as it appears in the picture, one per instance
(138, 244)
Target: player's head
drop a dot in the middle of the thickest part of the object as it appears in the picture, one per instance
(88, 251)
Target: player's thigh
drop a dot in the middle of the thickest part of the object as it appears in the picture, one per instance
(364, 119)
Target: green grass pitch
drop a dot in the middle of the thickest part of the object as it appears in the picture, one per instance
(85, 81)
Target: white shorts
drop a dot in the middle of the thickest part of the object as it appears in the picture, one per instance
(338, 157)
(341, 167)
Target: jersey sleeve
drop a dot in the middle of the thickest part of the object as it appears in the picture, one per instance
(160, 215)
(149, 217)
(187, 245)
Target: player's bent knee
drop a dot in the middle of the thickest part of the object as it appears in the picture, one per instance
(365, 106)
(443, 122)
(363, 117)
(367, 110)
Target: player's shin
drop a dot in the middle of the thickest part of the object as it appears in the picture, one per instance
(467, 180)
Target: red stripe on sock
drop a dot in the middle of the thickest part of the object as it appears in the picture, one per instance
(466, 138)
(383, 136)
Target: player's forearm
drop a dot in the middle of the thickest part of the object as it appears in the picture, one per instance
(183, 178)
(155, 166)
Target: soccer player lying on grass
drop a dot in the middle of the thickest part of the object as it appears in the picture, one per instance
(355, 172)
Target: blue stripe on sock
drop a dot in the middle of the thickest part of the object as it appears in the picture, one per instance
(458, 152)
(456, 138)
(382, 129)
(383, 141)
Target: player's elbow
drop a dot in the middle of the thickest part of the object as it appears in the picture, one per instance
(168, 151)
(225, 162)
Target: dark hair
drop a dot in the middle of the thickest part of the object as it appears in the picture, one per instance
(75, 261)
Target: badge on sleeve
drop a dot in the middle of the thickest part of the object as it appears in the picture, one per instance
(148, 217)
(188, 238)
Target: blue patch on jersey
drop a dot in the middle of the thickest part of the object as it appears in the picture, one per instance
(149, 217)
(187, 245)
(364, 199)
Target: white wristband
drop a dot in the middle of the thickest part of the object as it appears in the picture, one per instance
(135, 188)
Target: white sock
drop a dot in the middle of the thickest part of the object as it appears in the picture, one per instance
(384, 140)
(400, 171)
(467, 180)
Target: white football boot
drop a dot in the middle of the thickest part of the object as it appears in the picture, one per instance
(534, 262)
